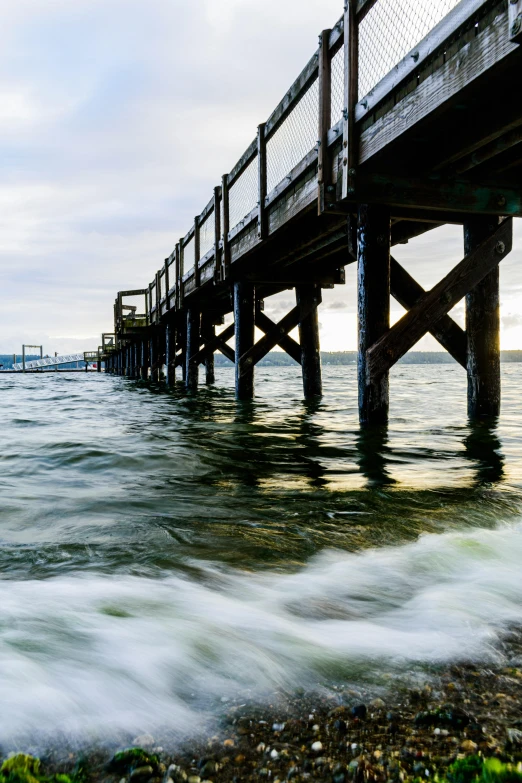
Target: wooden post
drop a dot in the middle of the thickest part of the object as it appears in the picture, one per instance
(373, 270)
(153, 357)
(262, 223)
(170, 354)
(244, 317)
(310, 296)
(351, 95)
(483, 328)
(193, 341)
(143, 361)
(217, 232)
(226, 227)
(208, 332)
(325, 115)
(197, 253)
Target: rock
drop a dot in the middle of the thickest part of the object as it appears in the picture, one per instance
(278, 727)
(208, 769)
(143, 773)
(468, 746)
(131, 759)
(359, 711)
(377, 704)
(444, 716)
(194, 779)
(228, 743)
(317, 747)
(274, 754)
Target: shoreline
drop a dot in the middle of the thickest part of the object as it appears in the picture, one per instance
(414, 734)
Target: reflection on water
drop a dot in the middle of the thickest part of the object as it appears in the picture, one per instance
(154, 544)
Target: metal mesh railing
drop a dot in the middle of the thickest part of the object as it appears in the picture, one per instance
(162, 291)
(188, 256)
(390, 30)
(152, 302)
(337, 86)
(243, 195)
(206, 234)
(294, 138)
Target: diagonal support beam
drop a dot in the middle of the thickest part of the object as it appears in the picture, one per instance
(408, 292)
(270, 340)
(439, 301)
(217, 343)
(285, 342)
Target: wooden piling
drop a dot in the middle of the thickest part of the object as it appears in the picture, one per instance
(244, 317)
(483, 328)
(309, 296)
(373, 272)
(170, 354)
(208, 332)
(193, 341)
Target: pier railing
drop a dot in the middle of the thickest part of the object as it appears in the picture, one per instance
(310, 137)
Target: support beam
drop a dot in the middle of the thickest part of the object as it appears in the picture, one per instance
(373, 271)
(439, 301)
(285, 342)
(244, 318)
(259, 350)
(407, 292)
(216, 343)
(208, 332)
(483, 328)
(193, 341)
(308, 297)
(144, 366)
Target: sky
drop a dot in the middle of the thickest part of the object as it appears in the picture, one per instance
(117, 119)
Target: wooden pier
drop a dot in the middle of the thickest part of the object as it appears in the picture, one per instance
(362, 153)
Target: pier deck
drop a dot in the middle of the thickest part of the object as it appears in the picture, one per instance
(407, 117)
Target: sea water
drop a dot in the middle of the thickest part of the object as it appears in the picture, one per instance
(161, 554)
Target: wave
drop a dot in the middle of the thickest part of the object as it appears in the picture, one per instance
(88, 654)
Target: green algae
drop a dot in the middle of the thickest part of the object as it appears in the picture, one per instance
(131, 758)
(22, 768)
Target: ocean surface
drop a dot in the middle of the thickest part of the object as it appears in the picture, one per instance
(162, 554)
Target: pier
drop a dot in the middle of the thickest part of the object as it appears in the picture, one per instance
(407, 117)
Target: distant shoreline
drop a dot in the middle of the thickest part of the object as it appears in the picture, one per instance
(342, 358)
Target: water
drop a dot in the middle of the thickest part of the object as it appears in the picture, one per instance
(160, 554)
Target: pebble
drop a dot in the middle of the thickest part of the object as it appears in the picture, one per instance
(359, 711)
(377, 704)
(229, 743)
(141, 772)
(194, 779)
(261, 747)
(278, 727)
(317, 747)
(274, 754)
(469, 746)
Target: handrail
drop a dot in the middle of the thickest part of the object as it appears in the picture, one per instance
(333, 131)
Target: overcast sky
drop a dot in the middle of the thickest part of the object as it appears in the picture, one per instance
(117, 118)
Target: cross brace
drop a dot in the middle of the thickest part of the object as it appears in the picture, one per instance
(274, 335)
(435, 304)
(408, 292)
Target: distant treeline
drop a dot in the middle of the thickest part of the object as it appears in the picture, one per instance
(280, 359)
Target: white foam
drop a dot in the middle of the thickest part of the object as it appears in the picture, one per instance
(70, 663)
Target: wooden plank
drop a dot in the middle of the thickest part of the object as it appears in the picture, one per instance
(351, 94)
(325, 114)
(206, 212)
(178, 276)
(490, 47)
(167, 285)
(425, 50)
(188, 236)
(439, 301)
(285, 342)
(436, 194)
(196, 250)
(261, 183)
(515, 20)
(487, 152)
(227, 351)
(408, 292)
